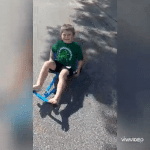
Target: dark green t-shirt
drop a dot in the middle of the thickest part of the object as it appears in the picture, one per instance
(67, 54)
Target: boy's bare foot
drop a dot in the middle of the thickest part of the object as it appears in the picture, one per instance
(37, 88)
(53, 101)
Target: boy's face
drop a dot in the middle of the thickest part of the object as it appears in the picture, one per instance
(67, 36)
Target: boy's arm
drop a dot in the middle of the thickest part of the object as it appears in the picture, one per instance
(80, 64)
(51, 55)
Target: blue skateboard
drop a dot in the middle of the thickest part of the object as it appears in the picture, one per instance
(48, 92)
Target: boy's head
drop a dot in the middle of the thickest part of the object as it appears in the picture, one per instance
(67, 33)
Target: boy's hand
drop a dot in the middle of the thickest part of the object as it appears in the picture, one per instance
(80, 63)
(77, 74)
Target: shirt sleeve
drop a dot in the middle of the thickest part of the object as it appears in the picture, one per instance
(79, 53)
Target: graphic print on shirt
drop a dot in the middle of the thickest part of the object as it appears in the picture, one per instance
(64, 54)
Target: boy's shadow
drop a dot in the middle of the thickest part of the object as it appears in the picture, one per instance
(45, 109)
(73, 97)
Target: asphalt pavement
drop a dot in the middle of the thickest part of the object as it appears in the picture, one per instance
(87, 116)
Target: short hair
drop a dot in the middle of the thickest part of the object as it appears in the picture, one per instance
(67, 27)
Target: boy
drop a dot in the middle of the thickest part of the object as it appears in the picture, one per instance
(68, 52)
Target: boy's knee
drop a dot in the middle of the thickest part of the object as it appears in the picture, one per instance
(64, 74)
(49, 63)
(46, 63)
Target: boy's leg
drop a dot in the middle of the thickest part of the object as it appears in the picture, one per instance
(43, 74)
(60, 86)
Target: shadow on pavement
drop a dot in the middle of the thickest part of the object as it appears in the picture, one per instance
(110, 147)
(111, 122)
(45, 109)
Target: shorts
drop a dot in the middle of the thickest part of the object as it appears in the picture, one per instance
(59, 67)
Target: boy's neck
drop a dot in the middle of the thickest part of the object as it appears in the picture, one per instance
(67, 43)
